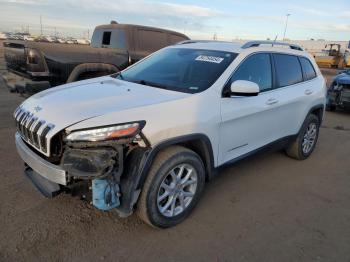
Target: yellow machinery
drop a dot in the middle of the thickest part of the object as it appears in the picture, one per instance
(347, 58)
(332, 57)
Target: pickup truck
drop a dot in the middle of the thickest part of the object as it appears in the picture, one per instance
(113, 48)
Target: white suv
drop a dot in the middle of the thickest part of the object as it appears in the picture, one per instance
(148, 138)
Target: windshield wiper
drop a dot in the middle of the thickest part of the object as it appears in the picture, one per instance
(118, 74)
(147, 83)
(141, 82)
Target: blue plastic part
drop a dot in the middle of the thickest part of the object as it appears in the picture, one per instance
(102, 193)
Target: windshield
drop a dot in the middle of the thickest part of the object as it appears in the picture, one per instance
(180, 69)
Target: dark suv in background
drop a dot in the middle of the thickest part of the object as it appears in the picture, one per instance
(113, 48)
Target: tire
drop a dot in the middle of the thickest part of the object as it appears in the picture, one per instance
(174, 158)
(296, 149)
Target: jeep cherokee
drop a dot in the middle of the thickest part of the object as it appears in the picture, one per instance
(147, 138)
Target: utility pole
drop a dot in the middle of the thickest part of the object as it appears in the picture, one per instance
(285, 28)
(41, 27)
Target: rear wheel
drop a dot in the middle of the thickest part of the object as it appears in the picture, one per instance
(306, 141)
(173, 187)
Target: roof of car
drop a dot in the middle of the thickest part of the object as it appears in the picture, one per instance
(211, 45)
(115, 25)
(238, 47)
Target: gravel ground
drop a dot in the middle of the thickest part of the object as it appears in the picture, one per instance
(265, 208)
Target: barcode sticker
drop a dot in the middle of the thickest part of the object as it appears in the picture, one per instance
(211, 59)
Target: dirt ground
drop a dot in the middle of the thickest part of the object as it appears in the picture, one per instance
(265, 208)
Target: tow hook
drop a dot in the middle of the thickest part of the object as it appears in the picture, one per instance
(105, 193)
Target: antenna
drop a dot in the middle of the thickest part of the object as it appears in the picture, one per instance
(274, 41)
(285, 28)
(41, 27)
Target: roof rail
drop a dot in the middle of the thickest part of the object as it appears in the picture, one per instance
(272, 43)
(189, 42)
(199, 41)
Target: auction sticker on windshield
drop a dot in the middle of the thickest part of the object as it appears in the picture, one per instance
(211, 59)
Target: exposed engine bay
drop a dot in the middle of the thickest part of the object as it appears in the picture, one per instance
(338, 96)
(105, 173)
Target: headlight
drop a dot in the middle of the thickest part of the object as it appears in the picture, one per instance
(107, 133)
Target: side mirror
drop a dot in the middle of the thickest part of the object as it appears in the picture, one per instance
(244, 88)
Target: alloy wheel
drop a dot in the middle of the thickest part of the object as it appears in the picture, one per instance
(309, 138)
(177, 190)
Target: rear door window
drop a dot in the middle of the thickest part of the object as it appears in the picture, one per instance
(288, 70)
(308, 69)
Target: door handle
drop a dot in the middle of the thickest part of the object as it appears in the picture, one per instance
(308, 92)
(271, 101)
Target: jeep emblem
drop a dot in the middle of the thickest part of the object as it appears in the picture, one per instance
(37, 109)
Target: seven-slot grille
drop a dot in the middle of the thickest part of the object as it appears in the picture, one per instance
(32, 129)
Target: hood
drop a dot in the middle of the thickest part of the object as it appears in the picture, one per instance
(72, 103)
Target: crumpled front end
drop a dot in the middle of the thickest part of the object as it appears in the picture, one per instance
(339, 94)
(105, 173)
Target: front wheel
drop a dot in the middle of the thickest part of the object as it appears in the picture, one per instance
(306, 141)
(173, 187)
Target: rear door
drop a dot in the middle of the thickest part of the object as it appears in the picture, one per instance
(291, 93)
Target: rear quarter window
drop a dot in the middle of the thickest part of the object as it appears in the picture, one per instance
(308, 69)
(288, 70)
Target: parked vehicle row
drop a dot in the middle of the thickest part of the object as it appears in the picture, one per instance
(147, 138)
(43, 38)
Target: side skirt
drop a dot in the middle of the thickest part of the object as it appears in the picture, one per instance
(271, 147)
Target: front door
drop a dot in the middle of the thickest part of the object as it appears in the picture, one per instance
(249, 122)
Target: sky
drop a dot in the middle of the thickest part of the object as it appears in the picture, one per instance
(228, 19)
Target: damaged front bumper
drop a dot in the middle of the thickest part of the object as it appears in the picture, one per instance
(104, 175)
(51, 172)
